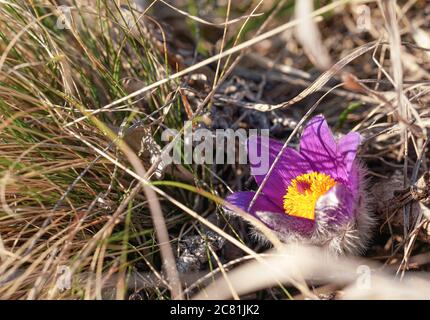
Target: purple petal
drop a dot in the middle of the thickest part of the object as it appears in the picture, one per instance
(243, 199)
(271, 215)
(347, 150)
(336, 206)
(354, 181)
(289, 166)
(339, 205)
(318, 146)
(326, 155)
(286, 224)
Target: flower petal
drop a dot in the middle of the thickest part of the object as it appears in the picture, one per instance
(326, 155)
(289, 166)
(335, 207)
(347, 151)
(266, 211)
(243, 199)
(340, 204)
(318, 146)
(285, 224)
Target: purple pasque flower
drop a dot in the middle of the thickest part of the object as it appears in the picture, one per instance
(315, 195)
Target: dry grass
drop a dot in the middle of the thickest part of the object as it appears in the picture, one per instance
(82, 200)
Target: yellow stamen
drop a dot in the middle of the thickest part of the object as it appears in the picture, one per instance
(304, 192)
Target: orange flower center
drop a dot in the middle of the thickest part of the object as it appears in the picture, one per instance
(304, 192)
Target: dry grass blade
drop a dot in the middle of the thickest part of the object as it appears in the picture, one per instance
(157, 217)
(17, 37)
(389, 9)
(309, 36)
(317, 266)
(325, 77)
(212, 59)
(198, 19)
(92, 207)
